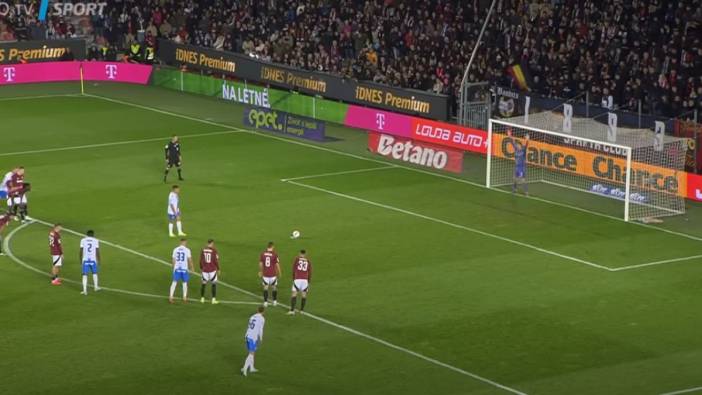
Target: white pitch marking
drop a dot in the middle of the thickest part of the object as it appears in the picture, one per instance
(124, 142)
(37, 97)
(453, 225)
(317, 318)
(338, 173)
(685, 391)
(673, 260)
(416, 170)
(20, 262)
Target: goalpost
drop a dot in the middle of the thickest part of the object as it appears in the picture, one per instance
(640, 181)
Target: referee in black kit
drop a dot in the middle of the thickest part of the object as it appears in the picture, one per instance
(173, 158)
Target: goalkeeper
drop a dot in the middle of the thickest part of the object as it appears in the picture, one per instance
(520, 163)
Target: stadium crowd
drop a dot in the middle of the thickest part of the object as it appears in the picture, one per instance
(633, 50)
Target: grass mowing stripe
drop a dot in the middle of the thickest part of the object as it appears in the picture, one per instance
(315, 317)
(338, 173)
(124, 142)
(453, 225)
(385, 162)
(685, 391)
(12, 256)
(673, 260)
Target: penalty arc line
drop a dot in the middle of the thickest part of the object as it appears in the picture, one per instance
(317, 318)
(453, 225)
(12, 256)
(384, 162)
(685, 391)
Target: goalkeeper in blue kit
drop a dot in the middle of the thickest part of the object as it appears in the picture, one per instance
(520, 163)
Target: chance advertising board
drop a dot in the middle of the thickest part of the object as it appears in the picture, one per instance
(416, 152)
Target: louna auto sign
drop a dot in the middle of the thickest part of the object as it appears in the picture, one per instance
(57, 8)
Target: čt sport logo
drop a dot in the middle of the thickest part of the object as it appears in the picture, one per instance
(70, 9)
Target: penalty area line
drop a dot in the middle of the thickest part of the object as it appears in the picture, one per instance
(662, 262)
(314, 317)
(339, 173)
(453, 225)
(12, 256)
(685, 391)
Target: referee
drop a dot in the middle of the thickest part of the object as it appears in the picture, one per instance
(173, 157)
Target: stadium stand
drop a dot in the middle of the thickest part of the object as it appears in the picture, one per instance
(640, 50)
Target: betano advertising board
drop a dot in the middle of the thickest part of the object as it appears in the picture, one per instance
(416, 152)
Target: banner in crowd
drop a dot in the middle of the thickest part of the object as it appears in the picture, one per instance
(416, 152)
(604, 167)
(284, 123)
(71, 71)
(405, 101)
(40, 51)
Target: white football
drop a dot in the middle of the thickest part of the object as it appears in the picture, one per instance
(295, 234)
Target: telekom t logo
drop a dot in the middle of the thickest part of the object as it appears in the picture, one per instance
(9, 73)
(111, 71)
(380, 120)
(698, 193)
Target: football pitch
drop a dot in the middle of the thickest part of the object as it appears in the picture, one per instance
(424, 283)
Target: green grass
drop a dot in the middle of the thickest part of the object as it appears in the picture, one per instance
(483, 281)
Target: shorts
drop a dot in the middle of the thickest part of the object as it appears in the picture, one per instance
(251, 345)
(172, 163)
(181, 275)
(209, 276)
(17, 200)
(519, 173)
(272, 281)
(173, 217)
(300, 285)
(90, 266)
(57, 260)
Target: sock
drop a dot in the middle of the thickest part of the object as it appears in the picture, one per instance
(265, 295)
(180, 174)
(202, 291)
(165, 175)
(85, 283)
(170, 229)
(248, 363)
(275, 294)
(23, 211)
(302, 304)
(180, 226)
(173, 287)
(214, 290)
(293, 301)
(185, 291)
(95, 281)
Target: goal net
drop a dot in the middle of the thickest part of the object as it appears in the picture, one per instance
(636, 178)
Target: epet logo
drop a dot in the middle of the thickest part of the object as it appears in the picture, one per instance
(265, 120)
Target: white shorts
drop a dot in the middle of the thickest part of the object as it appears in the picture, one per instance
(209, 276)
(57, 260)
(300, 285)
(269, 280)
(17, 200)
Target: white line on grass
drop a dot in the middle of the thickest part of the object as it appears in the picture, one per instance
(685, 391)
(416, 170)
(124, 142)
(453, 225)
(673, 260)
(24, 264)
(315, 317)
(38, 97)
(338, 173)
